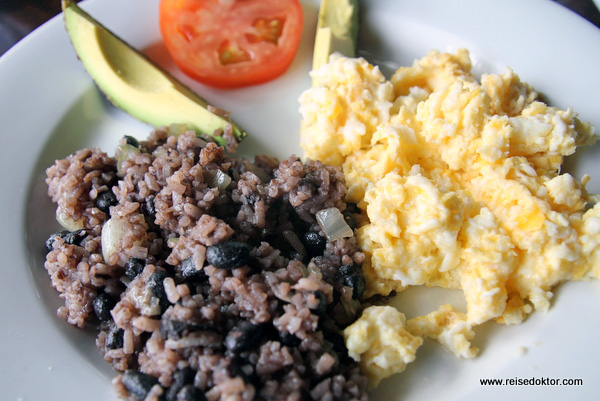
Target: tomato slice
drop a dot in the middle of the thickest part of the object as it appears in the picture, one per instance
(231, 43)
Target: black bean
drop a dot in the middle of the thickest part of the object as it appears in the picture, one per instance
(134, 267)
(114, 338)
(300, 222)
(180, 379)
(289, 339)
(278, 242)
(50, 241)
(337, 342)
(75, 237)
(103, 304)
(244, 369)
(70, 237)
(352, 276)
(105, 200)
(228, 255)
(184, 376)
(149, 207)
(189, 271)
(350, 220)
(172, 328)
(156, 283)
(357, 282)
(347, 270)
(110, 179)
(138, 384)
(314, 243)
(190, 393)
(243, 336)
(351, 208)
(322, 306)
(252, 198)
(177, 329)
(132, 141)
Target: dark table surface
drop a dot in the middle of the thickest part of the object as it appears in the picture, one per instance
(19, 17)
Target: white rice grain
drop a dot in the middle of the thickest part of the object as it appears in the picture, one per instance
(139, 252)
(144, 323)
(62, 259)
(154, 394)
(170, 289)
(183, 290)
(62, 312)
(196, 339)
(199, 256)
(84, 269)
(128, 342)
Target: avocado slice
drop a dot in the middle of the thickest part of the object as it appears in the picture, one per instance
(337, 30)
(135, 84)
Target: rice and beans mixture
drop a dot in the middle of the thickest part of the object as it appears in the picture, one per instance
(208, 278)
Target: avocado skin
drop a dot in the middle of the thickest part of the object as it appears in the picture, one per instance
(135, 84)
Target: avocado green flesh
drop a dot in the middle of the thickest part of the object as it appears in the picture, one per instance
(135, 84)
(337, 30)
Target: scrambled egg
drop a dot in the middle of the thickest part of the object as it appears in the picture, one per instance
(381, 343)
(459, 180)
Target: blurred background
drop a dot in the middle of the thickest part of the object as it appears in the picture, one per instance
(19, 17)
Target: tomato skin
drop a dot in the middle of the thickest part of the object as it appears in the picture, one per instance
(232, 43)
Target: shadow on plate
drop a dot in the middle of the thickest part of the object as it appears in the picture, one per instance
(76, 130)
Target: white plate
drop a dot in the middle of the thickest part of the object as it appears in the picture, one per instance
(49, 107)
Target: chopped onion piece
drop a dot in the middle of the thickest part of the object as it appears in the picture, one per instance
(312, 268)
(68, 222)
(333, 224)
(218, 179)
(160, 151)
(177, 129)
(145, 301)
(113, 231)
(172, 242)
(124, 151)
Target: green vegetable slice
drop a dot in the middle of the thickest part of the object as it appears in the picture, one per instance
(138, 86)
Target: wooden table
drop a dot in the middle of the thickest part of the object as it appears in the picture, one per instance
(19, 17)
